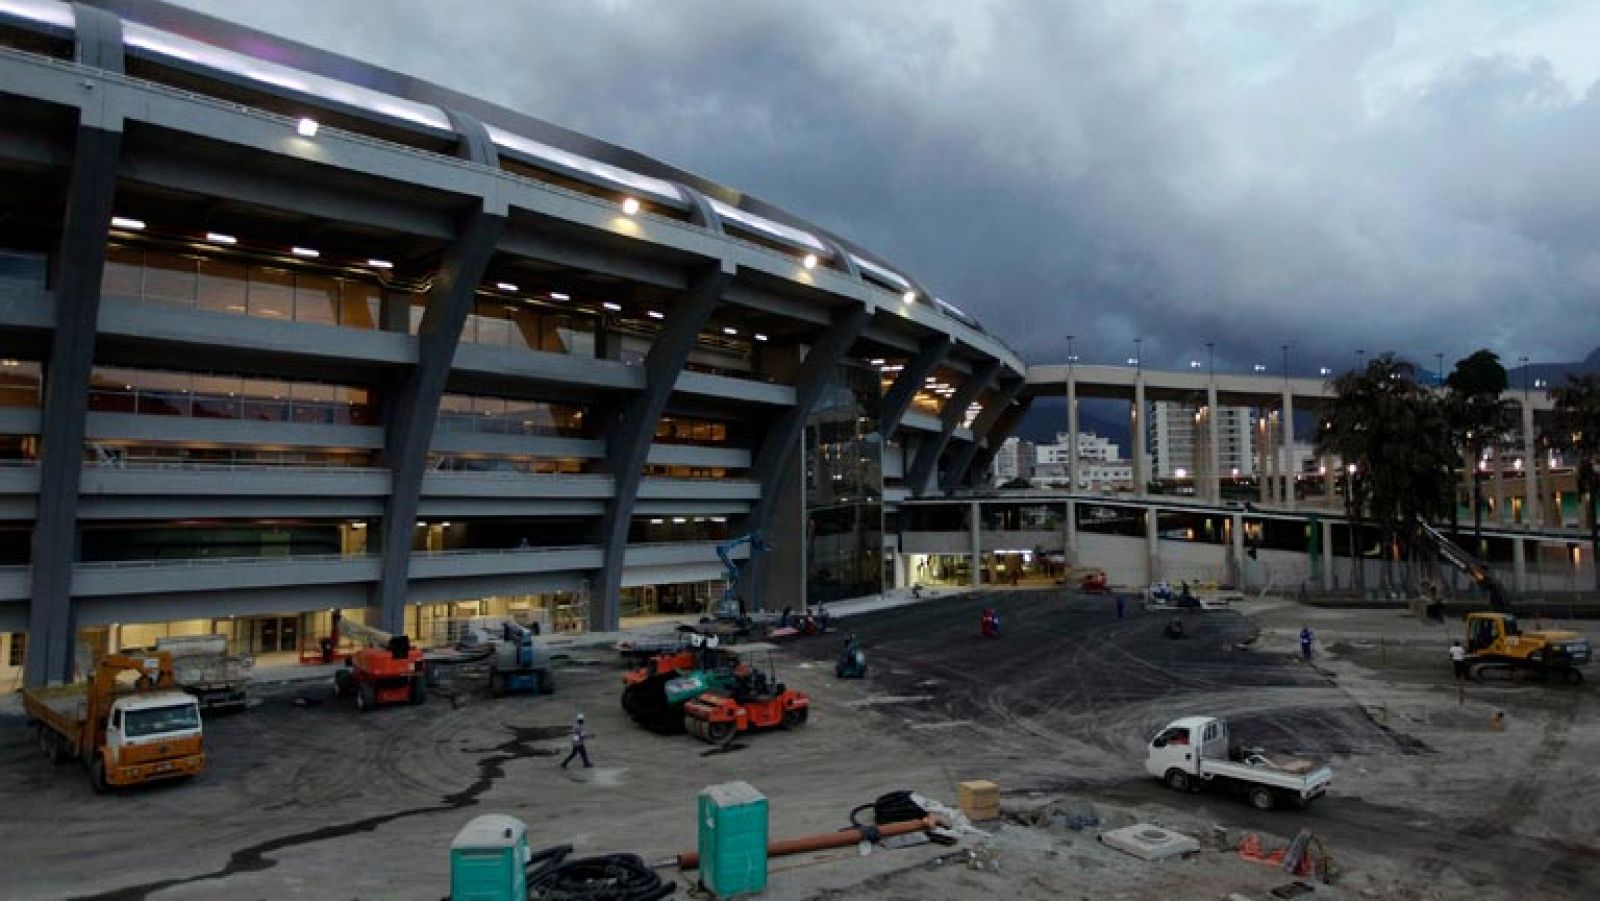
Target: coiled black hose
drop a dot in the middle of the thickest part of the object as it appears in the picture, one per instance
(607, 877)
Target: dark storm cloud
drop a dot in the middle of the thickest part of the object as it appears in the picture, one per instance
(1246, 174)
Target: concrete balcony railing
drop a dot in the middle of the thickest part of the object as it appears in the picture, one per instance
(235, 479)
(220, 573)
(468, 563)
(15, 582)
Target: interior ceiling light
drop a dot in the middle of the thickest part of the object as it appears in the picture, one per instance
(876, 361)
(220, 238)
(380, 264)
(123, 222)
(810, 262)
(505, 286)
(760, 337)
(630, 205)
(656, 314)
(306, 252)
(557, 295)
(307, 127)
(613, 307)
(729, 330)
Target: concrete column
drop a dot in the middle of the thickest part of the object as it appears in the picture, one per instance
(78, 266)
(1237, 528)
(1519, 566)
(1327, 555)
(997, 436)
(1214, 444)
(900, 394)
(1152, 539)
(1531, 508)
(1072, 430)
(628, 435)
(976, 547)
(1264, 456)
(1330, 478)
(1071, 545)
(984, 433)
(1141, 458)
(921, 474)
(1502, 512)
(1290, 467)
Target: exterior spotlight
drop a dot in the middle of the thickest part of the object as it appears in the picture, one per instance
(908, 297)
(307, 128)
(630, 206)
(810, 262)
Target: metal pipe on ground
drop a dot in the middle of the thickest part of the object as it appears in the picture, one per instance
(690, 860)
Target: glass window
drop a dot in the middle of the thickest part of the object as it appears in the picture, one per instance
(19, 383)
(170, 279)
(161, 720)
(316, 299)
(360, 305)
(19, 649)
(271, 293)
(222, 286)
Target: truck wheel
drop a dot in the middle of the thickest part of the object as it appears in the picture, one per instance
(719, 733)
(1572, 675)
(341, 683)
(1262, 799)
(795, 717)
(419, 689)
(1177, 780)
(366, 696)
(97, 777)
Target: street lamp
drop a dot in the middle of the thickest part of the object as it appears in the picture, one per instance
(1260, 367)
(1324, 371)
(1072, 356)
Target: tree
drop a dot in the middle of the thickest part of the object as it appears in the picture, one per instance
(1477, 417)
(1016, 484)
(1574, 430)
(1394, 432)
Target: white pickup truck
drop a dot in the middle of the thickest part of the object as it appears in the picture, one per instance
(1192, 752)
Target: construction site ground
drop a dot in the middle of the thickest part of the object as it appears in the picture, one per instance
(305, 798)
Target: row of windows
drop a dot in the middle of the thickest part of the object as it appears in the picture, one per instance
(193, 282)
(155, 393)
(499, 416)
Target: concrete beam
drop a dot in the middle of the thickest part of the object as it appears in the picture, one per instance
(1003, 428)
(960, 471)
(79, 263)
(410, 414)
(900, 394)
(921, 471)
(628, 435)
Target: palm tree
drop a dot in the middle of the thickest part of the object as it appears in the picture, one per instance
(1574, 429)
(1477, 417)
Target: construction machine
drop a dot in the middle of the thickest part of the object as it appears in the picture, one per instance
(386, 670)
(518, 660)
(1497, 648)
(754, 700)
(654, 694)
(124, 731)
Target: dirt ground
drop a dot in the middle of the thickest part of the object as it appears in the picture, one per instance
(1428, 802)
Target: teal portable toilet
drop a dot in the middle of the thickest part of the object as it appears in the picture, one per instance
(733, 839)
(489, 859)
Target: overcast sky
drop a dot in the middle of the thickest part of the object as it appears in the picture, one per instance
(1419, 177)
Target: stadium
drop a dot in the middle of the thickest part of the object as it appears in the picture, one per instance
(285, 334)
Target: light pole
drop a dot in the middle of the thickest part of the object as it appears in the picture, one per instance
(1138, 355)
(1285, 349)
(1211, 357)
(1440, 358)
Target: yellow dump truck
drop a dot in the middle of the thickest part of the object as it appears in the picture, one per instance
(128, 724)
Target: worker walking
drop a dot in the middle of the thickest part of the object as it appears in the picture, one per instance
(580, 740)
(1306, 638)
(1458, 660)
(1122, 602)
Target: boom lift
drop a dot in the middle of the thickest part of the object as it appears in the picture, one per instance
(123, 733)
(1496, 646)
(518, 660)
(731, 606)
(388, 670)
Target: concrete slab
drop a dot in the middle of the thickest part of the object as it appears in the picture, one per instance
(1148, 842)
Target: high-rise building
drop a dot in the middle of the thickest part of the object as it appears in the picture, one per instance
(1014, 460)
(1177, 440)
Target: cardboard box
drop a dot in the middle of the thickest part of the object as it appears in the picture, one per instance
(979, 799)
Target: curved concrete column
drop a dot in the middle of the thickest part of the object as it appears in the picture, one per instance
(920, 473)
(79, 263)
(960, 470)
(782, 438)
(897, 400)
(410, 414)
(628, 435)
(1002, 429)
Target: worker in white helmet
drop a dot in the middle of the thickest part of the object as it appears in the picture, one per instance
(580, 739)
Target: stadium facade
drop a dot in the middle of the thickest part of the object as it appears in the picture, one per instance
(282, 333)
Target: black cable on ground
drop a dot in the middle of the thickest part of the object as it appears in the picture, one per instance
(607, 877)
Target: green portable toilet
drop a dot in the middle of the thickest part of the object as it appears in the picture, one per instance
(733, 839)
(489, 859)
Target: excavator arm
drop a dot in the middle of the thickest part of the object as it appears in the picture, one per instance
(1474, 569)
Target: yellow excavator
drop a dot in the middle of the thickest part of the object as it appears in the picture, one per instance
(1497, 647)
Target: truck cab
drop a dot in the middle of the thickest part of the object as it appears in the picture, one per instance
(149, 736)
(1183, 742)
